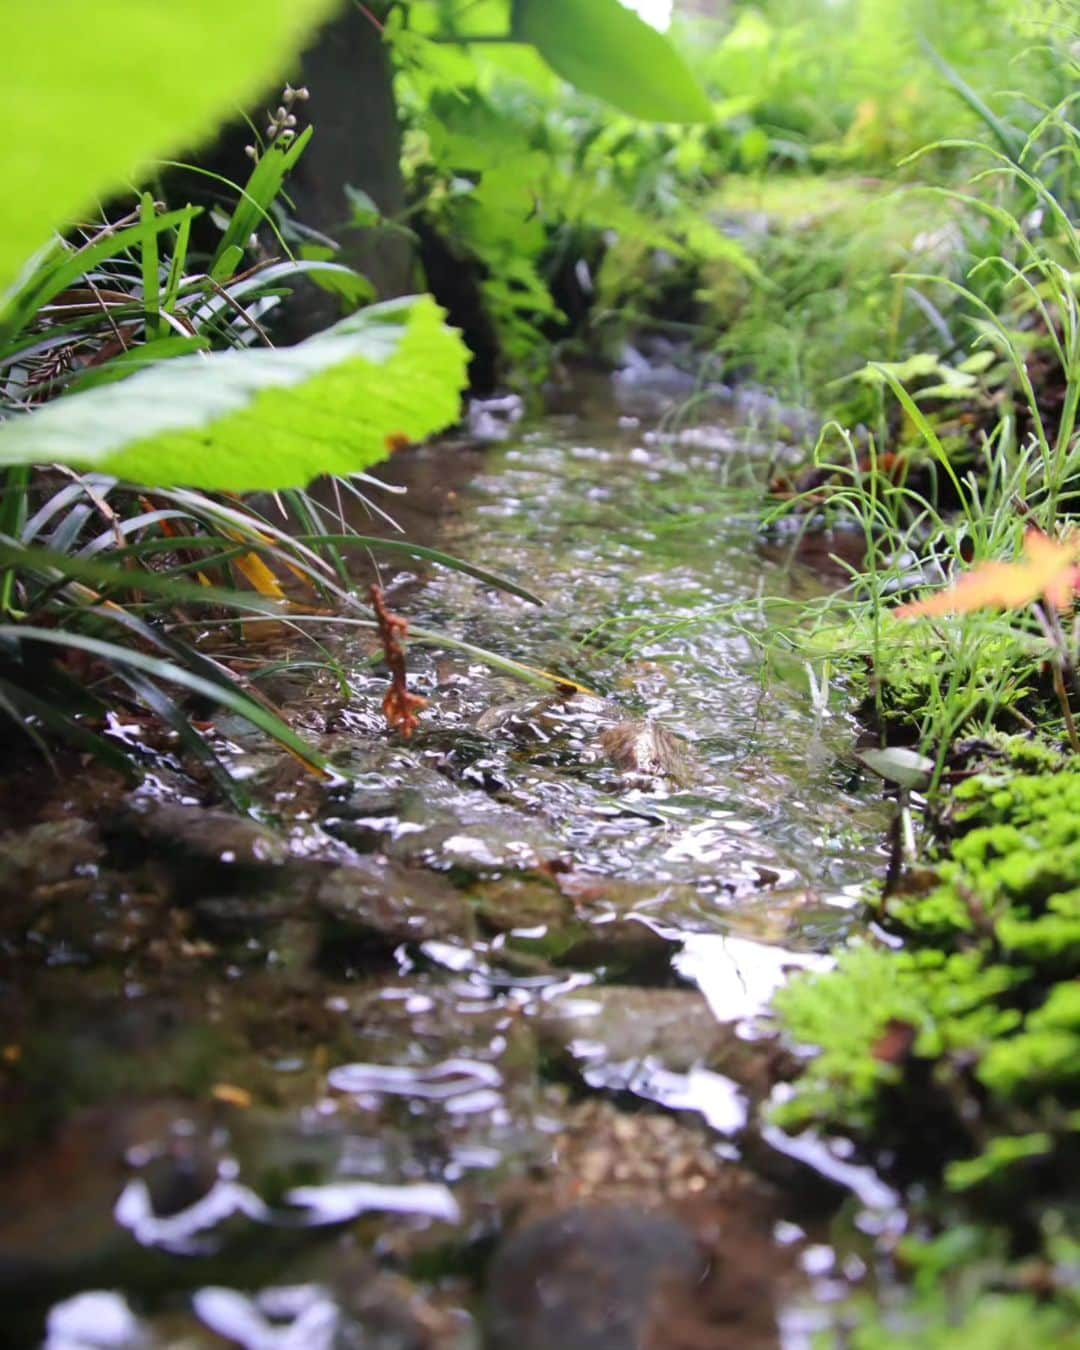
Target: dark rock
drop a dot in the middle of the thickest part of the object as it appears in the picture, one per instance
(45, 863)
(591, 1279)
(385, 903)
(199, 834)
(665, 904)
(535, 920)
(519, 902)
(673, 1025)
(677, 1239)
(426, 819)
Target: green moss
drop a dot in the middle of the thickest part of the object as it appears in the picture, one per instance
(1061, 1009)
(974, 1031)
(1000, 1157)
(942, 913)
(1046, 939)
(996, 1322)
(951, 1004)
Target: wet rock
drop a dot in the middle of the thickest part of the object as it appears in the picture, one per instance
(664, 904)
(58, 1213)
(521, 904)
(384, 903)
(390, 1313)
(492, 419)
(664, 1045)
(533, 920)
(633, 1193)
(430, 821)
(47, 853)
(612, 947)
(432, 1084)
(46, 864)
(602, 1278)
(646, 751)
(199, 833)
(357, 1309)
(95, 1320)
(673, 1025)
(568, 717)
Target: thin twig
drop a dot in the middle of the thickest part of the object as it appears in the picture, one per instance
(1066, 710)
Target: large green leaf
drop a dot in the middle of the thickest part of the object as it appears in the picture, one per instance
(273, 418)
(96, 89)
(603, 48)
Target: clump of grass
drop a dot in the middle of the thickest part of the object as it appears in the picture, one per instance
(121, 600)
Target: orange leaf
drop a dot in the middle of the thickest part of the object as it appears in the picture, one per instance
(262, 579)
(1047, 571)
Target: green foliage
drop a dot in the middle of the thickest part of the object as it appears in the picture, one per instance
(97, 92)
(850, 84)
(1000, 1156)
(118, 319)
(333, 404)
(996, 1322)
(533, 185)
(603, 48)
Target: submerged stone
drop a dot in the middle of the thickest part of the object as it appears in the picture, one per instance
(200, 833)
(602, 1278)
(385, 903)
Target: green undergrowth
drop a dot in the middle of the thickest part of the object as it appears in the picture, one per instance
(997, 1322)
(954, 1059)
(834, 248)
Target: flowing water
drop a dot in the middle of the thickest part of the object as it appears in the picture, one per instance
(465, 1049)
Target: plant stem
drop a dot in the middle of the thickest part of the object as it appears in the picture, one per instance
(1066, 710)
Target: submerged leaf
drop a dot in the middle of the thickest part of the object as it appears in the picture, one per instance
(241, 421)
(1049, 571)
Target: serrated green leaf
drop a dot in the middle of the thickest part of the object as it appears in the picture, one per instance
(605, 49)
(95, 92)
(242, 421)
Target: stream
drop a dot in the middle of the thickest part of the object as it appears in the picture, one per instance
(463, 1049)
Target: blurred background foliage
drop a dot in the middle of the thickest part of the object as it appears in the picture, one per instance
(765, 232)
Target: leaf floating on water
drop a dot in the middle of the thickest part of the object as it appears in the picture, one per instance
(231, 1095)
(648, 750)
(1049, 571)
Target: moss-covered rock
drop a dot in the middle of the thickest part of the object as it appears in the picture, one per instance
(878, 1014)
(955, 1059)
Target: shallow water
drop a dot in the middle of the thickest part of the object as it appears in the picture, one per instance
(353, 1072)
